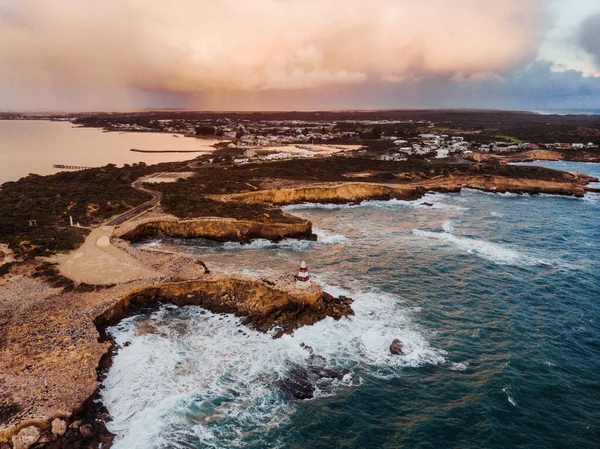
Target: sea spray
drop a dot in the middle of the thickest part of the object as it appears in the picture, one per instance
(203, 378)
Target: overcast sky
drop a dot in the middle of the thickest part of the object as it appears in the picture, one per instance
(299, 54)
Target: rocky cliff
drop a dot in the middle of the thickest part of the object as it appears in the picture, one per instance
(48, 381)
(220, 229)
(331, 193)
(574, 186)
(265, 307)
(356, 192)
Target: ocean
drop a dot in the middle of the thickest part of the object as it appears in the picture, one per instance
(496, 298)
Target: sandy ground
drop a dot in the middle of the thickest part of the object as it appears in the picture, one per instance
(168, 177)
(99, 262)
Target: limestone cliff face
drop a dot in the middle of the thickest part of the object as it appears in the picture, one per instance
(332, 193)
(263, 306)
(492, 183)
(220, 229)
(356, 192)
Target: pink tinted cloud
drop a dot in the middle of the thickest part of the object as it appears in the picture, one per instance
(259, 45)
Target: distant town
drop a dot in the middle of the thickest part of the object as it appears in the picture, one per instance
(383, 135)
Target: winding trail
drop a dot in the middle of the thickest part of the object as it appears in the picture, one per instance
(98, 262)
(137, 185)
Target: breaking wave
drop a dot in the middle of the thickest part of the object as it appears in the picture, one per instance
(428, 201)
(323, 237)
(494, 252)
(205, 379)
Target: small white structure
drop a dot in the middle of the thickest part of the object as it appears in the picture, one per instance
(71, 220)
(441, 153)
(303, 279)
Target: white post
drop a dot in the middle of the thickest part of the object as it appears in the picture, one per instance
(71, 220)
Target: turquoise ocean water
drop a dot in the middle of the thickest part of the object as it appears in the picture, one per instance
(496, 298)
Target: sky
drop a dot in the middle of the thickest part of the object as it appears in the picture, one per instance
(75, 55)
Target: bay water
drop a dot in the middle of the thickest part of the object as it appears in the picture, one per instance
(35, 146)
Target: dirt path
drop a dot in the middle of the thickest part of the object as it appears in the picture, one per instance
(98, 262)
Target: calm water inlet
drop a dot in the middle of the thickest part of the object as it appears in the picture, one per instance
(34, 146)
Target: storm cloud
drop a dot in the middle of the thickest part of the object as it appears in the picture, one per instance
(110, 48)
(590, 37)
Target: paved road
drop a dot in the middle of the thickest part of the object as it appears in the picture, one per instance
(137, 185)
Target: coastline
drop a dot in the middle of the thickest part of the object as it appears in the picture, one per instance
(117, 301)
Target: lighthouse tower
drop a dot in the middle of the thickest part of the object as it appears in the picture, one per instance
(303, 280)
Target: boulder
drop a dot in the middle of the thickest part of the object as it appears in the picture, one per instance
(145, 328)
(59, 427)
(396, 347)
(86, 430)
(26, 437)
(299, 384)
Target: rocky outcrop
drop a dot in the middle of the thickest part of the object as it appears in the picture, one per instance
(357, 192)
(26, 437)
(301, 381)
(500, 184)
(51, 382)
(331, 193)
(220, 229)
(396, 347)
(263, 306)
(533, 155)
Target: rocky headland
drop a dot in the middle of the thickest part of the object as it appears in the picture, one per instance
(58, 295)
(218, 228)
(51, 367)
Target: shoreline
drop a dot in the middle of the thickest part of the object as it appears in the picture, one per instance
(175, 271)
(281, 307)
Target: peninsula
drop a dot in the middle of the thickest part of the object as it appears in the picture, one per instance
(62, 285)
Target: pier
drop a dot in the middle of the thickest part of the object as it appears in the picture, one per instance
(71, 167)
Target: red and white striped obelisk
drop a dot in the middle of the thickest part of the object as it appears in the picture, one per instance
(303, 279)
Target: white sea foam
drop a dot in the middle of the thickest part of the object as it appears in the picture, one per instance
(207, 379)
(485, 192)
(494, 252)
(330, 206)
(510, 397)
(458, 366)
(152, 243)
(435, 199)
(448, 226)
(323, 237)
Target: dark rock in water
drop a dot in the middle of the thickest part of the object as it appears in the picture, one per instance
(425, 203)
(396, 347)
(301, 383)
(328, 373)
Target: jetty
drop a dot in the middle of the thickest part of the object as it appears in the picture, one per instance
(136, 150)
(71, 167)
